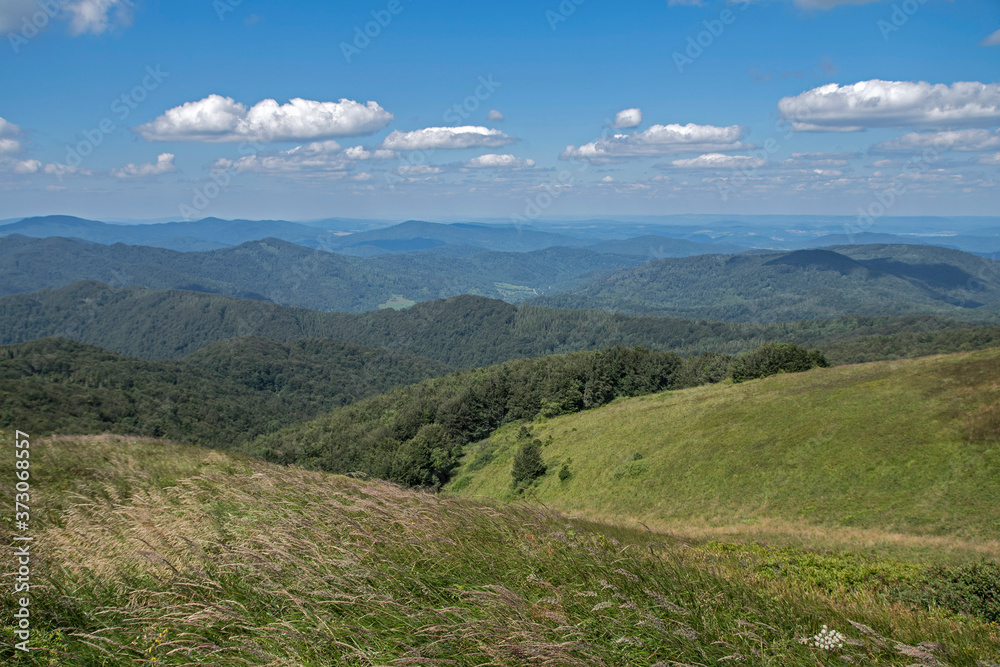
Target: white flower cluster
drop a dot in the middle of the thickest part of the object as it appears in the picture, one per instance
(829, 639)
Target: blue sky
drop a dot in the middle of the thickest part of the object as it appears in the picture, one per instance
(516, 110)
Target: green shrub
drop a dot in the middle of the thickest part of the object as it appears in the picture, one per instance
(528, 464)
(564, 473)
(774, 358)
(972, 589)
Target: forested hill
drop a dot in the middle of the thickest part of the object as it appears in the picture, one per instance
(291, 274)
(865, 280)
(224, 394)
(462, 332)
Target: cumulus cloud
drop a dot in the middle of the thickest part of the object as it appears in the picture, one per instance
(956, 140)
(62, 170)
(992, 40)
(720, 161)
(466, 136)
(97, 16)
(362, 153)
(877, 103)
(164, 165)
(84, 16)
(495, 116)
(494, 161)
(818, 159)
(829, 4)
(627, 118)
(217, 118)
(8, 137)
(28, 167)
(319, 156)
(993, 159)
(418, 170)
(661, 140)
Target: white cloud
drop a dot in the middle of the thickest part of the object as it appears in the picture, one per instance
(28, 167)
(13, 13)
(94, 16)
(661, 140)
(494, 161)
(720, 161)
(495, 116)
(61, 170)
(362, 153)
(363, 176)
(829, 4)
(608, 179)
(8, 141)
(627, 118)
(877, 103)
(9, 146)
(164, 165)
(956, 140)
(818, 159)
(216, 118)
(418, 170)
(319, 156)
(993, 159)
(466, 136)
(992, 40)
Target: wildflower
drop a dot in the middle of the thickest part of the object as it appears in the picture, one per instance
(828, 639)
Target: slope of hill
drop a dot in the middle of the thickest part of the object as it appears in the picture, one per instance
(156, 553)
(291, 274)
(220, 396)
(896, 451)
(866, 280)
(462, 332)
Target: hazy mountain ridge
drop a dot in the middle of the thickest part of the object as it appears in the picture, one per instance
(818, 283)
(290, 274)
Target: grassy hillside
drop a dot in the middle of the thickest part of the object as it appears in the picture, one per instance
(865, 280)
(463, 332)
(891, 453)
(153, 553)
(220, 396)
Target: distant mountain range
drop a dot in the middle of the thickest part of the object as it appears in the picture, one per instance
(818, 283)
(666, 236)
(286, 273)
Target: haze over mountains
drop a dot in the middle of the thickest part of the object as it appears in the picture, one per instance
(366, 238)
